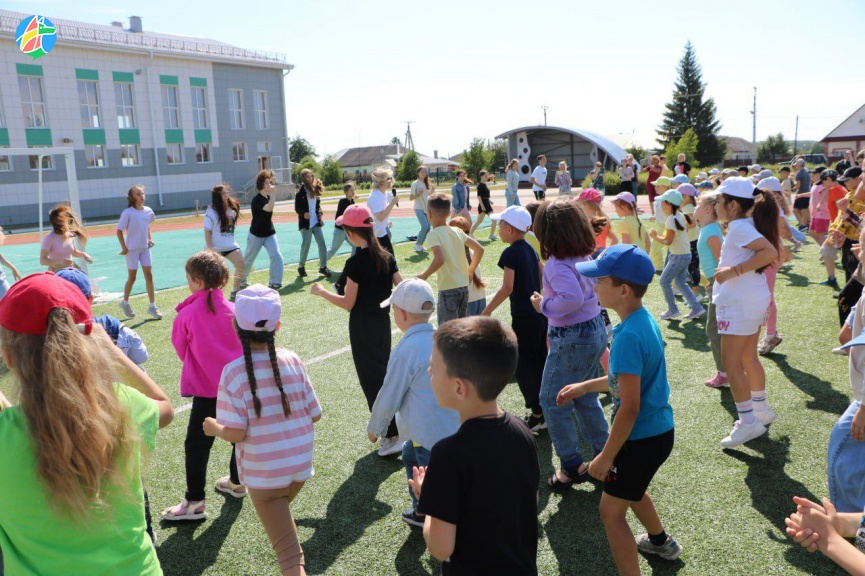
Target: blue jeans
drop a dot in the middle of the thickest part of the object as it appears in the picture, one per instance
(4, 287)
(846, 465)
(512, 198)
(253, 247)
(338, 238)
(424, 226)
(676, 269)
(413, 456)
(307, 236)
(575, 354)
(477, 307)
(452, 304)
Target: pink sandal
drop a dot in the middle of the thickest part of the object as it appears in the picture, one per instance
(185, 511)
(226, 486)
(717, 381)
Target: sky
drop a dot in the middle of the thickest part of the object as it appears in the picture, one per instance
(478, 68)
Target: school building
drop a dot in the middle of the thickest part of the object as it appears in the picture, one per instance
(178, 114)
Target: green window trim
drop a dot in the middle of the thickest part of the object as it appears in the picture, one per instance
(123, 77)
(130, 136)
(174, 136)
(29, 69)
(94, 136)
(38, 136)
(4, 137)
(84, 74)
(203, 136)
(169, 80)
(199, 82)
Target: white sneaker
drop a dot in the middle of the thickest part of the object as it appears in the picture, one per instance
(694, 314)
(493, 237)
(766, 416)
(418, 248)
(742, 433)
(670, 315)
(127, 309)
(154, 311)
(389, 446)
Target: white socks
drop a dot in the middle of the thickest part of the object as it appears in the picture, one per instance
(746, 412)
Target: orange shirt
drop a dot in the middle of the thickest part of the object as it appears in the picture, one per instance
(836, 192)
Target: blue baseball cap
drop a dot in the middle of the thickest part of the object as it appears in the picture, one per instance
(624, 261)
(672, 196)
(858, 341)
(77, 277)
(681, 178)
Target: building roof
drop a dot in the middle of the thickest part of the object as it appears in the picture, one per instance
(88, 34)
(852, 126)
(367, 155)
(736, 145)
(612, 150)
(627, 140)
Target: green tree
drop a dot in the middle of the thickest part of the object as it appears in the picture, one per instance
(772, 148)
(687, 145)
(396, 140)
(408, 165)
(306, 162)
(299, 148)
(478, 157)
(689, 110)
(638, 151)
(498, 154)
(331, 172)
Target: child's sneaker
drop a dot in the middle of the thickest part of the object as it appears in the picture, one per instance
(718, 381)
(419, 249)
(535, 423)
(669, 550)
(127, 309)
(694, 314)
(668, 315)
(769, 343)
(389, 446)
(226, 486)
(412, 518)
(493, 237)
(742, 433)
(185, 511)
(154, 311)
(766, 416)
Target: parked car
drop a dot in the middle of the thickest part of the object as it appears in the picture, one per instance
(809, 159)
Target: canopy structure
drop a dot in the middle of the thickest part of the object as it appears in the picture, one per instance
(580, 149)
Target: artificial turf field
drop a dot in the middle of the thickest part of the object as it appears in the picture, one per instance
(726, 508)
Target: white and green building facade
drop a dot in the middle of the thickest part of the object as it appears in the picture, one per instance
(177, 114)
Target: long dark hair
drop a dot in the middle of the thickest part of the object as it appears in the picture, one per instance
(380, 256)
(221, 208)
(246, 338)
(426, 181)
(563, 230)
(675, 210)
(209, 268)
(63, 221)
(765, 213)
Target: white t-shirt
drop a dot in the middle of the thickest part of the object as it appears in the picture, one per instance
(136, 223)
(377, 201)
(750, 286)
(679, 244)
(420, 201)
(540, 176)
(313, 216)
(857, 354)
(221, 241)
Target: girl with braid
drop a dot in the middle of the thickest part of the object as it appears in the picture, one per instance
(204, 338)
(269, 419)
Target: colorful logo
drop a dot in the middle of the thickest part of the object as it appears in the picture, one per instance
(36, 36)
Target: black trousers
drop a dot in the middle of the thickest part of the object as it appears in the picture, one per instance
(369, 335)
(848, 260)
(387, 244)
(847, 298)
(531, 331)
(197, 448)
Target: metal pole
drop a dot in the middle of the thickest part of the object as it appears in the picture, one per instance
(754, 134)
(796, 136)
(545, 114)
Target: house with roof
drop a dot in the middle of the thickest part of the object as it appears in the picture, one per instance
(848, 135)
(178, 114)
(358, 163)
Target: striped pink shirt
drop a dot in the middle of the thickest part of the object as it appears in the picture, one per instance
(277, 450)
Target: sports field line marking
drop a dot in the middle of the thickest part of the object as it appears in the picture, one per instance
(312, 361)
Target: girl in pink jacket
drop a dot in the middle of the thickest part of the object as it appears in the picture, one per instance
(205, 340)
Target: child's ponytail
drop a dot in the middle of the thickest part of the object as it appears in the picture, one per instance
(271, 349)
(244, 336)
(209, 268)
(269, 338)
(766, 215)
(675, 210)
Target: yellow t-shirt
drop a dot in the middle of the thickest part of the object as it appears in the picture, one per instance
(693, 233)
(454, 273)
(534, 243)
(635, 230)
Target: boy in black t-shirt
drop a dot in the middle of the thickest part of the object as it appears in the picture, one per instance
(521, 279)
(479, 492)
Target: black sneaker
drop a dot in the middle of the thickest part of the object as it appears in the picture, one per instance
(412, 518)
(339, 288)
(535, 423)
(275, 286)
(324, 272)
(301, 271)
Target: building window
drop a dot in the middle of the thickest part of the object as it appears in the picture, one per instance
(263, 146)
(238, 151)
(199, 108)
(235, 109)
(259, 100)
(170, 107)
(5, 162)
(174, 153)
(47, 161)
(123, 95)
(202, 153)
(95, 155)
(33, 101)
(129, 155)
(88, 101)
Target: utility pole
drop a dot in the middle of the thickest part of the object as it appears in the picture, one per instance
(409, 142)
(545, 114)
(796, 137)
(754, 134)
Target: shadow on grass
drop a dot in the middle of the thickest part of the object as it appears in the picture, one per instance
(823, 396)
(350, 511)
(410, 557)
(794, 280)
(188, 554)
(693, 335)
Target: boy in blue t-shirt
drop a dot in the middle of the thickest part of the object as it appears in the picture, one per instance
(641, 436)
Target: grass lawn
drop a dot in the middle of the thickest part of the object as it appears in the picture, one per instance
(725, 508)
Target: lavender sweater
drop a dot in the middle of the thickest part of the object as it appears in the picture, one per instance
(569, 297)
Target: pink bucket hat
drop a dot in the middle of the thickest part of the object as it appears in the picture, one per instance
(592, 195)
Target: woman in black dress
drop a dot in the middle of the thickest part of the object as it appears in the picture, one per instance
(485, 205)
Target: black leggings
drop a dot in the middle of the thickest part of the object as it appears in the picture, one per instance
(848, 261)
(197, 448)
(694, 266)
(369, 335)
(531, 332)
(847, 298)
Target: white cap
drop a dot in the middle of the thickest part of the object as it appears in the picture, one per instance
(714, 171)
(738, 186)
(799, 162)
(412, 295)
(771, 184)
(257, 308)
(755, 167)
(766, 173)
(516, 216)
(702, 176)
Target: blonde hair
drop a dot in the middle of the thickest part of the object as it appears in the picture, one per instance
(381, 176)
(710, 201)
(82, 434)
(512, 164)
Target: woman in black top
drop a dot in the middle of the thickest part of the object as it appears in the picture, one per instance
(485, 206)
(261, 231)
(310, 220)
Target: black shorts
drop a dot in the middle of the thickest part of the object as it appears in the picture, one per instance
(635, 466)
(485, 206)
(227, 252)
(801, 203)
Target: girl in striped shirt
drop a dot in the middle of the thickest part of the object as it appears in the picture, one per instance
(266, 406)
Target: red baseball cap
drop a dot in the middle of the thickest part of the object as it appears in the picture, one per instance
(25, 308)
(356, 216)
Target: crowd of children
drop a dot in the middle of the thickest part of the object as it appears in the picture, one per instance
(433, 397)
